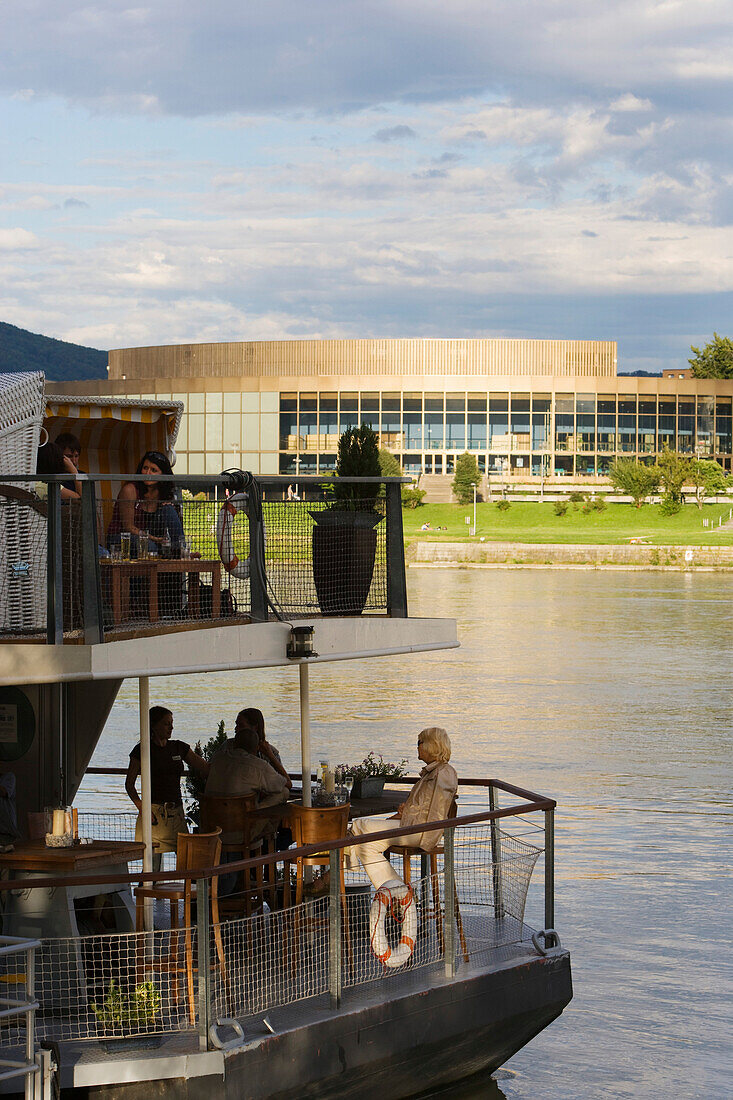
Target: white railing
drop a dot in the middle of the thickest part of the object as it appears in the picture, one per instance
(13, 1008)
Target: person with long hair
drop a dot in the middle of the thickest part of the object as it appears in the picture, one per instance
(256, 719)
(51, 460)
(429, 800)
(147, 509)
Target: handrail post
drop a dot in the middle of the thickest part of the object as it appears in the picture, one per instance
(30, 1022)
(549, 868)
(54, 569)
(449, 903)
(496, 869)
(396, 579)
(203, 951)
(335, 983)
(257, 568)
(93, 619)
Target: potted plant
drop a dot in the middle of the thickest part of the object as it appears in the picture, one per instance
(344, 535)
(120, 1013)
(195, 783)
(370, 775)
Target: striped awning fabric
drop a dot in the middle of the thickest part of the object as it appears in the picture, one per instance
(114, 433)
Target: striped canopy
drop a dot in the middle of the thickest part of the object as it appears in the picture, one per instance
(114, 433)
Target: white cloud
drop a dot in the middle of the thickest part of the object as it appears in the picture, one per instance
(177, 56)
(17, 239)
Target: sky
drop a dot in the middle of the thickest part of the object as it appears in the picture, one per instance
(177, 171)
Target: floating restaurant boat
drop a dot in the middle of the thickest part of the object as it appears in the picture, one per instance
(103, 994)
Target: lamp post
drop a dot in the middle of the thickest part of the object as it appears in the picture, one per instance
(473, 486)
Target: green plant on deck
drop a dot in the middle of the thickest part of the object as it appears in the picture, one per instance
(195, 783)
(375, 765)
(358, 456)
(128, 1011)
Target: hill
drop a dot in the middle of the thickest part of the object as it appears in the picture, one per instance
(61, 362)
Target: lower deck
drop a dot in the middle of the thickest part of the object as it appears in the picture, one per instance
(393, 1038)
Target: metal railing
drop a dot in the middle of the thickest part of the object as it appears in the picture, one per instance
(105, 985)
(62, 571)
(26, 1006)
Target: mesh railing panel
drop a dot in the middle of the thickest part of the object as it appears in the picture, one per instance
(160, 564)
(139, 981)
(319, 560)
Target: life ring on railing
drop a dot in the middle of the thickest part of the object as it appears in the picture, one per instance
(400, 901)
(230, 561)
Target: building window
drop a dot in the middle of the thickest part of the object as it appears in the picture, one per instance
(627, 425)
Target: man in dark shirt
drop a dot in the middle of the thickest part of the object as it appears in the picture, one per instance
(167, 758)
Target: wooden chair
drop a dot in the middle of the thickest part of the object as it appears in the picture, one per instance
(312, 825)
(431, 856)
(192, 850)
(240, 824)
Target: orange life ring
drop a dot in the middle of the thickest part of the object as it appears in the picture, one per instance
(389, 898)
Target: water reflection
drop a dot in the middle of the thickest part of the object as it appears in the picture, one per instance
(612, 693)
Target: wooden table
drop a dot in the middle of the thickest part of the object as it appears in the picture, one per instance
(120, 574)
(52, 912)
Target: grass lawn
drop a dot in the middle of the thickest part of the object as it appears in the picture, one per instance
(535, 522)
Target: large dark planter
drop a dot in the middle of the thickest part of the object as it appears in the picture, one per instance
(344, 549)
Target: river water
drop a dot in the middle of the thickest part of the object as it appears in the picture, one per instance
(609, 691)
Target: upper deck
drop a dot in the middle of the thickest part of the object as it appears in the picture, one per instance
(94, 604)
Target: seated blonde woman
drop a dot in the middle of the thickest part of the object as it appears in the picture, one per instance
(429, 800)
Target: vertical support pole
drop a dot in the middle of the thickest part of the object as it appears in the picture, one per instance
(496, 869)
(93, 618)
(54, 570)
(203, 960)
(396, 579)
(305, 732)
(549, 868)
(257, 571)
(334, 929)
(146, 812)
(449, 904)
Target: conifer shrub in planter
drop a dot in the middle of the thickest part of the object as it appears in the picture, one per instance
(344, 538)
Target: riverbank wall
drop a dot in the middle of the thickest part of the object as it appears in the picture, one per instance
(569, 555)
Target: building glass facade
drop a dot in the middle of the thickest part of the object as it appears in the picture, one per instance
(512, 434)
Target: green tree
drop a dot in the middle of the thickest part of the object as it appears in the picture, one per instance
(674, 470)
(358, 456)
(388, 464)
(412, 497)
(707, 478)
(467, 474)
(633, 479)
(715, 360)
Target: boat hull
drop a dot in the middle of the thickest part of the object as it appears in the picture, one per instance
(397, 1048)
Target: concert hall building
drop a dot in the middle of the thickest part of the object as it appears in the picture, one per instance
(528, 409)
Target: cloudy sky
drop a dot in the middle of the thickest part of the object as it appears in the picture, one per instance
(174, 171)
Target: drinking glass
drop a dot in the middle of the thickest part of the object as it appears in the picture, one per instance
(349, 784)
(125, 545)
